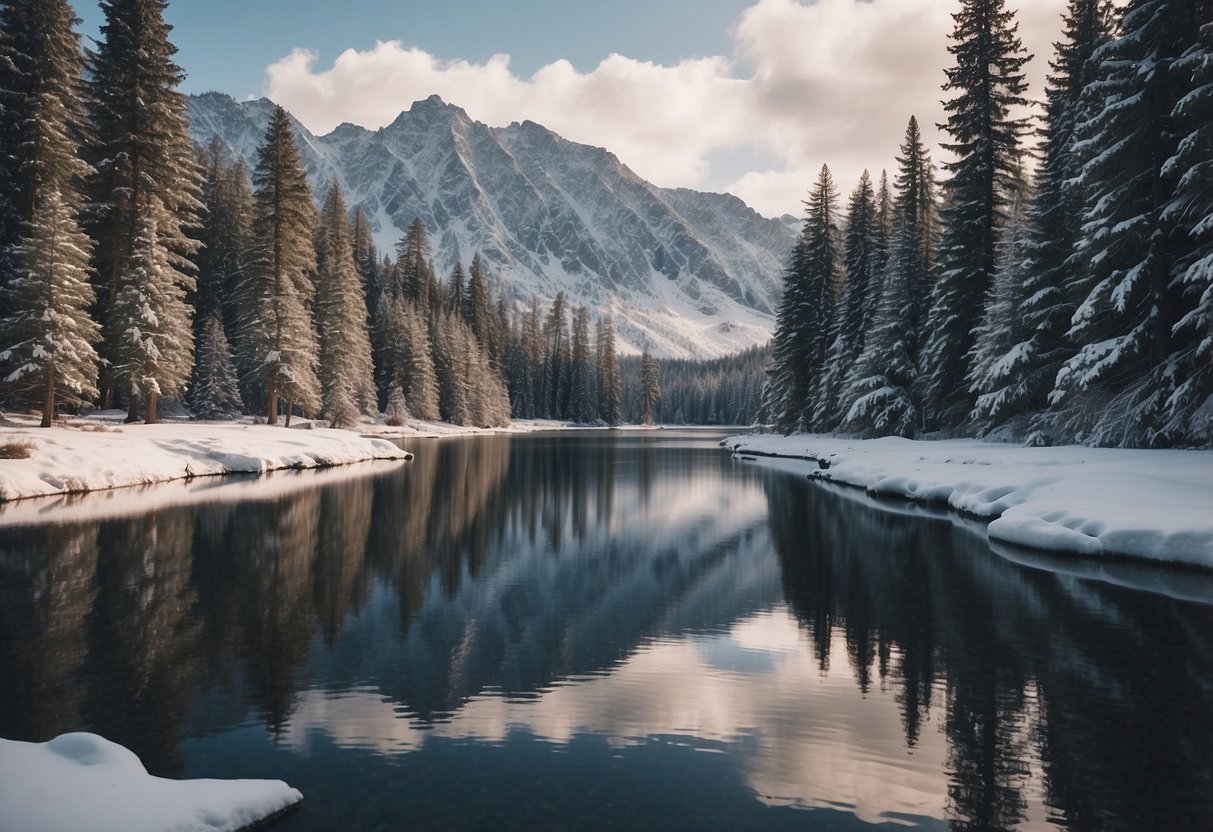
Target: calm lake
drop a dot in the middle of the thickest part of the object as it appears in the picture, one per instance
(591, 630)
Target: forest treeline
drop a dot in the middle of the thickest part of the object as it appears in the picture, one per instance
(138, 267)
(1075, 304)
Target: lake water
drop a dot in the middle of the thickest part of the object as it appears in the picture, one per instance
(593, 630)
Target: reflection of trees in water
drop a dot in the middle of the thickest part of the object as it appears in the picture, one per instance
(1109, 690)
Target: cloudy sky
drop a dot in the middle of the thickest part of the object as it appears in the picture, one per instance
(746, 96)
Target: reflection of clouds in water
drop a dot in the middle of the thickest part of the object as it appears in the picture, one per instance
(804, 737)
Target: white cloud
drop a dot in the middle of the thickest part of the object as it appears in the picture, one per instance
(831, 81)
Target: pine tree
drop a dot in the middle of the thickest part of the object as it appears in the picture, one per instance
(1116, 389)
(802, 326)
(992, 358)
(151, 335)
(47, 334)
(1189, 410)
(346, 371)
(225, 234)
(214, 391)
(581, 396)
(477, 309)
(415, 278)
(883, 387)
(146, 176)
(457, 296)
(277, 342)
(988, 83)
(650, 387)
(608, 373)
(419, 370)
(1029, 366)
(556, 333)
(852, 315)
(397, 412)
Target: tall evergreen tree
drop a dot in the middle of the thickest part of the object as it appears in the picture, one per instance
(556, 354)
(277, 344)
(581, 395)
(346, 372)
(1116, 389)
(883, 388)
(852, 315)
(608, 372)
(1029, 365)
(1189, 410)
(47, 335)
(650, 387)
(214, 391)
(477, 306)
(146, 176)
(415, 278)
(803, 321)
(225, 234)
(420, 381)
(988, 84)
(151, 335)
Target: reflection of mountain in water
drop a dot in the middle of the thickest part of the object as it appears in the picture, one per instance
(505, 565)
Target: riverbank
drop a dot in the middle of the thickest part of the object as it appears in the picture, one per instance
(82, 781)
(1152, 504)
(93, 455)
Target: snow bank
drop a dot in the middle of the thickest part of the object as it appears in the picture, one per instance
(1092, 501)
(67, 460)
(81, 781)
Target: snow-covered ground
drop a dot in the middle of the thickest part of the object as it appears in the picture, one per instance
(82, 781)
(1154, 504)
(90, 455)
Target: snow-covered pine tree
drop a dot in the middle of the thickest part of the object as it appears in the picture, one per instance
(397, 412)
(277, 344)
(862, 257)
(992, 358)
(477, 308)
(608, 372)
(556, 356)
(988, 84)
(214, 391)
(457, 296)
(415, 279)
(1053, 220)
(451, 368)
(802, 329)
(48, 337)
(882, 391)
(146, 175)
(420, 375)
(1116, 389)
(345, 345)
(46, 334)
(650, 387)
(1189, 410)
(151, 328)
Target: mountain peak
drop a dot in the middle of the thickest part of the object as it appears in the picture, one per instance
(690, 274)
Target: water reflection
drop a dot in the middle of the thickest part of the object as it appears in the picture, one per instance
(689, 634)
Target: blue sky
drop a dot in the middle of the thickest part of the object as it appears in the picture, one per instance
(227, 44)
(745, 96)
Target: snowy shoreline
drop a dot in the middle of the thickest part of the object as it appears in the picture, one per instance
(83, 781)
(94, 456)
(1147, 504)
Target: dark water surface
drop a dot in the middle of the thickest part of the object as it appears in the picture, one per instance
(592, 630)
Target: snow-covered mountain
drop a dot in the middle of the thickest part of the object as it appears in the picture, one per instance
(692, 274)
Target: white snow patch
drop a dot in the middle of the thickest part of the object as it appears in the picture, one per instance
(66, 460)
(82, 781)
(1155, 504)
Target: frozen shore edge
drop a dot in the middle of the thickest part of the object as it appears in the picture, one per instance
(1154, 505)
(97, 457)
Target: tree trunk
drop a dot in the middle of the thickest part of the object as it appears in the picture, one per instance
(290, 408)
(271, 417)
(48, 403)
(150, 416)
(132, 414)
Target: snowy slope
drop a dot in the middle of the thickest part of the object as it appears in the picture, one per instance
(693, 274)
(1153, 504)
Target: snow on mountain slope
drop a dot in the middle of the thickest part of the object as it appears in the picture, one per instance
(691, 274)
